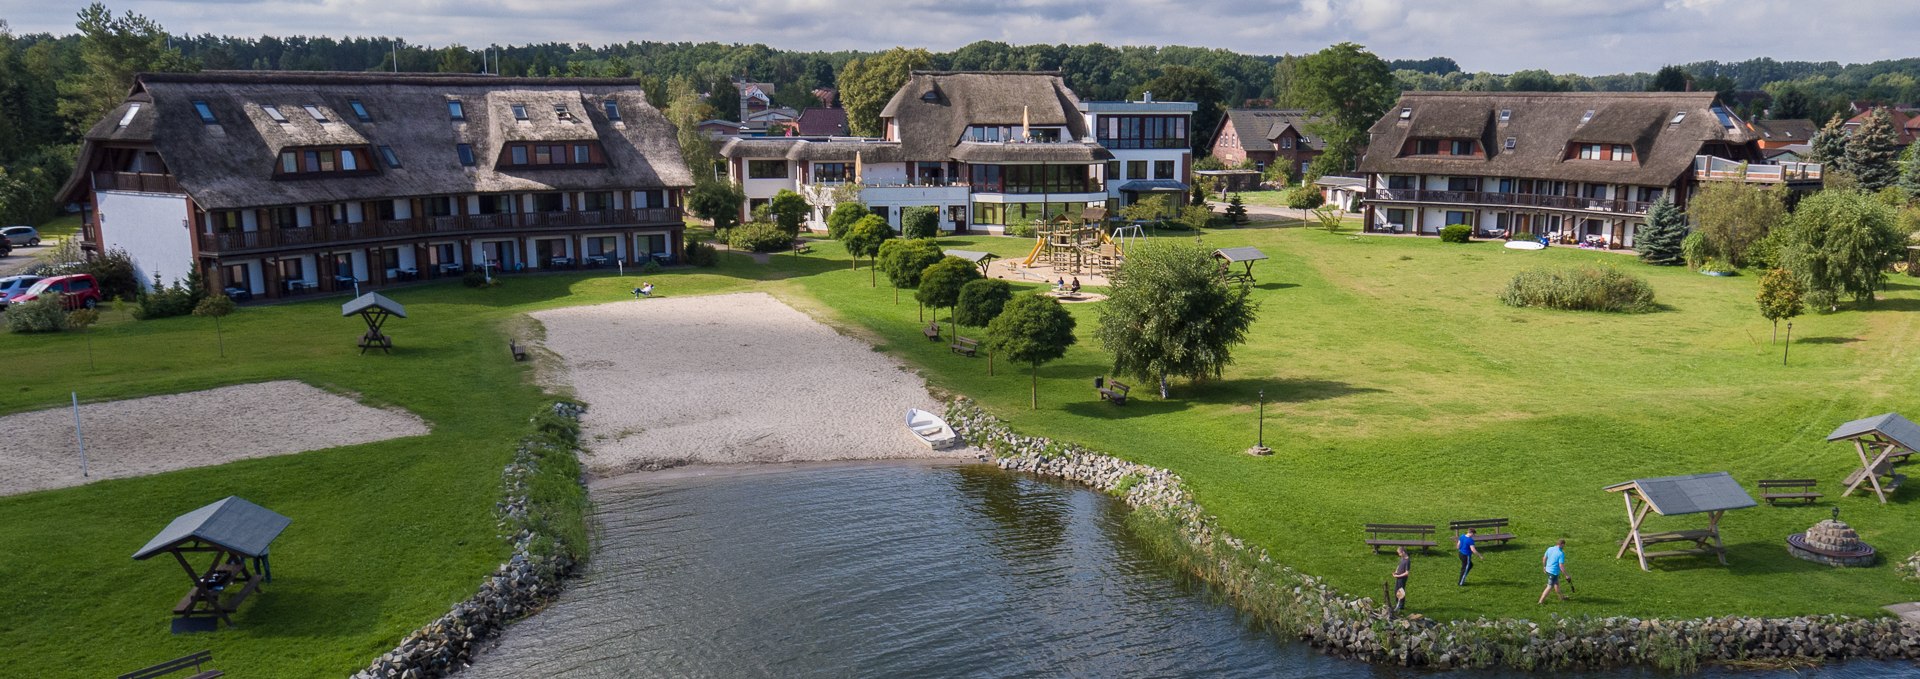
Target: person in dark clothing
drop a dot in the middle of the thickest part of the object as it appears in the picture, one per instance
(1467, 552)
(1400, 579)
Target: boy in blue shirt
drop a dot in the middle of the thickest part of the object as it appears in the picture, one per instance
(1555, 561)
(1467, 552)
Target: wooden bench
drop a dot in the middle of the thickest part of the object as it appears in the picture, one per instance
(965, 346)
(1485, 530)
(519, 352)
(177, 665)
(932, 331)
(1115, 391)
(1774, 490)
(1377, 532)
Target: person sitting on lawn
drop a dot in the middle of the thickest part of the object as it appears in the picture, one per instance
(645, 290)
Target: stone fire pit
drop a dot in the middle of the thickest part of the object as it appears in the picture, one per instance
(1831, 542)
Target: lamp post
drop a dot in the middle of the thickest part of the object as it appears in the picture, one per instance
(1788, 346)
(1260, 444)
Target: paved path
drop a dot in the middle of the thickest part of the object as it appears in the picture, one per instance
(22, 258)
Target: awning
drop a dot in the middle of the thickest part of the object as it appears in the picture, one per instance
(233, 524)
(1153, 185)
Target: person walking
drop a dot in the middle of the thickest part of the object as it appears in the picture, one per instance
(1555, 561)
(1400, 579)
(1467, 551)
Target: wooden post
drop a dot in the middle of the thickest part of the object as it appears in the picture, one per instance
(1713, 525)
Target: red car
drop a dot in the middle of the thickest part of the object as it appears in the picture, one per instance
(79, 290)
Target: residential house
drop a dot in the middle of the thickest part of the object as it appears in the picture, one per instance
(716, 128)
(754, 97)
(820, 122)
(1576, 167)
(1775, 134)
(278, 183)
(1906, 122)
(1152, 154)
(1342, 192)
(1267, 136)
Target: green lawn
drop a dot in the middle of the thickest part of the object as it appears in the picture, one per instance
(1266, 198)
(1399, 391)
(59, 227)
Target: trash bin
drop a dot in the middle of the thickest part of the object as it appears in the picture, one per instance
(1099, 382)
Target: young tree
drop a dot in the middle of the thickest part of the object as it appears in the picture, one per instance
(788, 209)
(1150, 208)
(867, 84)
(685, 109)
(940, 283)
(718, 200)
(1779, 298)
(1237, 210)
(903, 259)
(1829, 145)
(1872, 151)
(216, 307)
(864, 239)
(1170, 313)
(1032, 329)
(981, 301)
(81, 320)
(1659, 243)
(920, 221)
(1841, 243)
(1349, 88)
(1329, 217)
(1732, 215)
(843, 217)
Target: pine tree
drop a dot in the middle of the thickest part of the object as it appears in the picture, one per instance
(1910, 172)
(1659, 243)
(1829, 145)
(1872, 150)
(1237, 210)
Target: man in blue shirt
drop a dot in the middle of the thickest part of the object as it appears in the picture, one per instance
(1467, 552)
(1555, 561)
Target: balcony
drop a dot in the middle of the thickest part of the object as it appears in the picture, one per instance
(1521, 200)
(139, 182)
(459, 226)
(1714, 169)
(825, 193)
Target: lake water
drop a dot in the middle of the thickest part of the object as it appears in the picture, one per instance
(898, 570)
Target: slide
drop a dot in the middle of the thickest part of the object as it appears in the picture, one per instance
(1037, 242)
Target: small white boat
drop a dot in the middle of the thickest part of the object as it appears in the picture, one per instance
(1525, 245)
(932, 430)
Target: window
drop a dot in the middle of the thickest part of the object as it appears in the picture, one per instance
(438, 206)
(283, 218)
(359, 110)
(1427, 147)
(519, 111)
(1462, 147)
(1596, 191)
(1459, 217)
(455, 111)
(832, 172)
(543, 155)
(466, 154)
(314, 111)
(1163, 169)
(349, 160)
(1136, 169)
(1463, 184)
(290, 270)
(1677, 117)
(560, 111)
(235, 276)
(581, 155)
(1400, 181)
(1584, 119)
(274, 113)
(312, 161)
(613, 110)
(1511, 142)
(1142, 132)
(598, 200)
(766, 169)
(930, 95)
(206, 112)
(386, 153)
(1590, 151)
(1506, 114)
(289, 162)
(1406, 113)
(519, 155)
(1622, 152)
(1399, 216)
(128, 118)
(548, 202)
(1113, 169)
(989, 213)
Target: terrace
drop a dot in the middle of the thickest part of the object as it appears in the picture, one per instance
(1503, 199)
(456, 225)
(1714, 169)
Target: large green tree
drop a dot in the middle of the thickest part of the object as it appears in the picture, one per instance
(904, 259)
(1670, 79)
(1660, 242)
(1839, 244)
(717, 200)
(1872, 152)
(1829, 145)
(789, 209)
(867, 84)
(1171, 314)
(112, 50)
(1349, 88)
(941, 282)
(1732, 216)
(685, 109)
(1031, 329)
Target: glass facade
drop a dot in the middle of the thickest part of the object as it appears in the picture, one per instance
(1142, 132)
(1035, 179)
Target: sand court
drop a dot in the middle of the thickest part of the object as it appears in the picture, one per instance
(137, 437)
(727, 379)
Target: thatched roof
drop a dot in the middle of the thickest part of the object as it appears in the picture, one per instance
(230, 164)
(1258, 127)
(934, 108)
(812, 149)
(1542, 124)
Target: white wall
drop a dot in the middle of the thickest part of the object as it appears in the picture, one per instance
(153, 229)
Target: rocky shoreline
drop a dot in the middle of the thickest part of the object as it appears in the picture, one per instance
(1306, 608)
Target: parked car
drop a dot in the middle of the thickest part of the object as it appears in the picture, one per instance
(6, 247)
(14, 285)
(79, 290)
(22, 235)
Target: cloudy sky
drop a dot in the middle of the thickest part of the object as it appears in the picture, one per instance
(1584, 36)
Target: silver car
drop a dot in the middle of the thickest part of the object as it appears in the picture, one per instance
(14, 285)
(20, 236)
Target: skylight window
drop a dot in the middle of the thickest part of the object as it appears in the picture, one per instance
(314, 111)
(274, 113)
(1586, 118)
(466, 154)
(519, 111)
(454, 110)
(1677, 117)
(1406, 113)
(1506, 114)
(930, 96)
(128, 118)
(359, 110)
(206, 112)
(613, 109)
(386, 153)
(1511, 142)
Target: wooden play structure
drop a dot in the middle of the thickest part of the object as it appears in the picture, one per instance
(1881, 441)
(236, 533)
(1076, 246)
(375, 309)
(1711, 494)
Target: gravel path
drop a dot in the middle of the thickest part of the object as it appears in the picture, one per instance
(729, 379)
(149, 435)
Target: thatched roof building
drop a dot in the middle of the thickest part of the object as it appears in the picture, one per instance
(930, 114)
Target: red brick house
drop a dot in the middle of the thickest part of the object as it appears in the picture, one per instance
(1267, 136)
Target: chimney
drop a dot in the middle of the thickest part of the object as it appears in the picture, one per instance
(1147, 97)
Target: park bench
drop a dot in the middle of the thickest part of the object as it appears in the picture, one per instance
(1774, 490)
(178, 665)
(932, 331)
(1113, 390)
(1378, 535)
(965, 346)
(1485, 530)
(519, 352)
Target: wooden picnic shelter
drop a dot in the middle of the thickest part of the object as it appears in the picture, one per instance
(1241, 255)
(1711, 494)
(375, 309)
(1881, 442)
(236, 533)
(979, 259)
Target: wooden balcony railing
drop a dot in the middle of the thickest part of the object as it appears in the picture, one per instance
(1496, 199)
(452, 226)
(136, 181)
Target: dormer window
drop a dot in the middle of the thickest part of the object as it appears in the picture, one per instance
(455, 111)
(1511, 142)
(931, 95)
(1586, 118)
(131, 110)
(1622, 152)
(1506, 114)
(359, 110)
(1406, 113)
(1462, 147)
(314, 111)
(274, 113)
(519, 111)
(466, 154)
(613, 110)
(206, 112)
(1677, 117)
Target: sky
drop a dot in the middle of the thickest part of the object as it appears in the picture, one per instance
(1591, 37)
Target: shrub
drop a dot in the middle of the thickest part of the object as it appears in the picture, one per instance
(113, 270)
(1456, 233)
(46, 314)
(650, 267)
(702, 254)
(1694, 248)
(1237, 210)
(474, 279)
(922, 221)
(843, 217)
(759, 237)
(1304, 198)
(166, 301)
(1023, 230)
(1525, 235)
(1196, 217)
(1586, 288)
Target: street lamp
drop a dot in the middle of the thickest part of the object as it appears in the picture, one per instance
(1260, 444)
